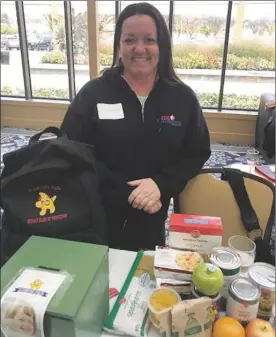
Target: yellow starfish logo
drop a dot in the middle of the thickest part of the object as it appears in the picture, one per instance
(45, 203)
(36, 284)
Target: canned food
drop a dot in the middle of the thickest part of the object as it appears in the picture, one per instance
(215, 302)
(272, 319)
(230, 264)
(243, 300)
(263, 275)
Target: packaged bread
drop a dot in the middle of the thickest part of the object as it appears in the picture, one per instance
(192, 318)
(130, 314)
(175, 264)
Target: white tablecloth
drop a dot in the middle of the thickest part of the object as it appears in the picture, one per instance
(120, 262)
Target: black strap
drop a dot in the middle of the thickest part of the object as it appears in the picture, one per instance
(248, 214)
(50, 129)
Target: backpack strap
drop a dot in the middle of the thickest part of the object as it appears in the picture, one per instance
(50, 129)
(248, 214)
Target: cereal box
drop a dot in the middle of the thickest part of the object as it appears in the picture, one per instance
(195, 233)
(175, 264)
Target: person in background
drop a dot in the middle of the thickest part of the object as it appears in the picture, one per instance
(147, 127)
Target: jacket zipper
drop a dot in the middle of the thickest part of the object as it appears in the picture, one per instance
(142, 109)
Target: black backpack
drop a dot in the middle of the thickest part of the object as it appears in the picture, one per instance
(50, 188)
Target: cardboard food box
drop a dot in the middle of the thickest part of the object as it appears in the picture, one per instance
(181, 287)
(81, 308)
(175, 264)
(195, 233)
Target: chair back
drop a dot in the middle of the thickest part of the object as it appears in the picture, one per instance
(209, 196)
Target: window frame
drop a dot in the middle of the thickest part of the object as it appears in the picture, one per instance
(93, 48)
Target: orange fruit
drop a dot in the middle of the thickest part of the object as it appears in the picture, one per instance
(228, 327)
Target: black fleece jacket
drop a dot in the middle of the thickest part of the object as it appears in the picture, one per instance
(170, 145)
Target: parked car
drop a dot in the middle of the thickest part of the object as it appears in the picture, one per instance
(4, 39)
(32, 41)
(4, 56)
(43, 43)
(13, 42)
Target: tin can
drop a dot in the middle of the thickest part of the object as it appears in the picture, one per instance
(215, 302)
(263, 275)
(272, 318)
(230, 264)
(243, 300)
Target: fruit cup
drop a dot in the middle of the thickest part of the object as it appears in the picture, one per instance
(160, 303)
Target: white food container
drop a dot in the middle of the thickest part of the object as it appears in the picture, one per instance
(175, 264)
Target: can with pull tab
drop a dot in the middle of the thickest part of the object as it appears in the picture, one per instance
(263, 274)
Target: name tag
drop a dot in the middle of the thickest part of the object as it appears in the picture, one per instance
(110, 111)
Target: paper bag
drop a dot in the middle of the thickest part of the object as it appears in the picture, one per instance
(192, 318)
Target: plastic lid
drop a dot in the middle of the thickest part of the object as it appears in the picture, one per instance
(152, 309)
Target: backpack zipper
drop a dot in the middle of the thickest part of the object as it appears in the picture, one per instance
(123, 228)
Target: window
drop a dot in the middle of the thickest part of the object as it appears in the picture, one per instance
(224, 50)
(198, 40)
(251, 55)
(80, 43)
(106, 10)
(45, 28)
(106, 21)
(12, 83)
(162, 6)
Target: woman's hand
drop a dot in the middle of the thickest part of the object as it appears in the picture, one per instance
(146, 194)
(153, 208)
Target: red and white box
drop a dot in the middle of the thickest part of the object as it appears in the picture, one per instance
(195, 233)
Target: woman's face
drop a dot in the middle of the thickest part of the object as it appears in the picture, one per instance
(139, 50)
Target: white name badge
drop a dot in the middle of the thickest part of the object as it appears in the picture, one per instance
(110, 111)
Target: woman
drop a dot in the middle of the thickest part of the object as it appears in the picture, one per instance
(147, 127)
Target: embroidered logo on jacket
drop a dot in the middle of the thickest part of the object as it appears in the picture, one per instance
(170, 120)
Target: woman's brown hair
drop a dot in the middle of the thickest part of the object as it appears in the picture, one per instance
(165, 69)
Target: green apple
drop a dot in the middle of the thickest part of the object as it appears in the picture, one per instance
(208, 279)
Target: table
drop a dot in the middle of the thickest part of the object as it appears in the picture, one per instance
(120, 262)
(247, 168)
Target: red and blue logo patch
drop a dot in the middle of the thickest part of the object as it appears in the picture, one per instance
(170, 120)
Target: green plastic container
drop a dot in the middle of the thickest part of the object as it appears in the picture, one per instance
(80, 308)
